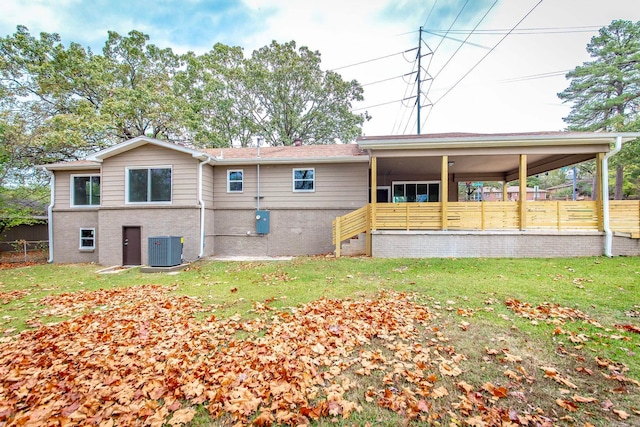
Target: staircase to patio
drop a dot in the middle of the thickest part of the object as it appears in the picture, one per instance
(352, 225)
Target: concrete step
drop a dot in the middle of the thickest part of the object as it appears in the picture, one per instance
(355, 246)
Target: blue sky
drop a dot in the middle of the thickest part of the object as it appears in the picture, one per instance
(508, 89)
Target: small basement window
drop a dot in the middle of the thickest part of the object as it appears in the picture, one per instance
(304, 180)
(87, 239)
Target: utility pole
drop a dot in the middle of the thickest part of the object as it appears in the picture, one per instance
(419, 79)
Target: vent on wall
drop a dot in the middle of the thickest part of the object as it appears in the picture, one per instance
(165, 251)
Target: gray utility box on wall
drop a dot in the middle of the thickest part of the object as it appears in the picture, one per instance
(262, 222)
(165, 251)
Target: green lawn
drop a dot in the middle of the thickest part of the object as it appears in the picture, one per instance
(564, 351)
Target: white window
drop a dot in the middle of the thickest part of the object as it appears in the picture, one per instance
(304, 180)
(416, 191)
(148, 185)
(235, 183)
(87, 239)
(85, 190)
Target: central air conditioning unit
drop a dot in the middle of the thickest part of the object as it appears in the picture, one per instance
(165, 251)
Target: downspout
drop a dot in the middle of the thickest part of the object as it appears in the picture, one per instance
(52, 185)
(608, 235)
(258, 178)
(206, 160)
(258, 187)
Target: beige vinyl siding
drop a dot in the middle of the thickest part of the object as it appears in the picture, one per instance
(63, 187)
(184, 174)
(207, 185)
(338, 185)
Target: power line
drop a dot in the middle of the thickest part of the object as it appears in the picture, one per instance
(455, 39)
(430, 12)
(400, 117)
(380, 105)
(539, 30)
(465, 40)
(534, 76)
(386, 80)
(487, 54)
(451, 26)
(402, 109)
(374, 59)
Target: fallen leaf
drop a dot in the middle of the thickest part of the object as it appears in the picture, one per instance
(439, 392)
(182, 416)
(511, 357)
(449, 370)
(468, 388)
(620, 413)
(581, 399)
(567, 404)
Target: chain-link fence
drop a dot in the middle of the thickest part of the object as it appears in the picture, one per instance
(18, 251)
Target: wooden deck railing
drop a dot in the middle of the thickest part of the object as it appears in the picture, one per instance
(553, 216)
(350, 225)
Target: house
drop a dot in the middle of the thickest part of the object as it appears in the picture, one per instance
(398, 192)
(104, 208)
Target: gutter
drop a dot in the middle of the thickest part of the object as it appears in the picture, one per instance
(52, 185)
(203, 161)
(608, 239)
(290, 160)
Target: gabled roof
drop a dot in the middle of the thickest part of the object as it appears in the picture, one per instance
(137, 142)
(331, 153)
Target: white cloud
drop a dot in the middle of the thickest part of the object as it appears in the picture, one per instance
(489, 99)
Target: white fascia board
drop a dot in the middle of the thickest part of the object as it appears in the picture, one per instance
(494, 141)
(71, 166)
(291, 160)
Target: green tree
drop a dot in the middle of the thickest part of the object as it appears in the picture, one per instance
(141, 97)
(605, 92)
(289, 96)
(216, 97)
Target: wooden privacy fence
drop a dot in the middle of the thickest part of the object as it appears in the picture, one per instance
(624, 217)
(489, 216)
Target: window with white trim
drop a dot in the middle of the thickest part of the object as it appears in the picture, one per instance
(235, 181)
(85, 190)
(87, 239)
(416, 191)
(148, 185)
(304, 180)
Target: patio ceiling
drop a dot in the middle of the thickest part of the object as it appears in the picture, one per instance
(478, 157)
(478, 167)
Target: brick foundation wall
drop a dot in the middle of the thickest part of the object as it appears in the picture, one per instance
(625, 246)
(292, 232)
(168, 221)
(66, 235)
(411, 244)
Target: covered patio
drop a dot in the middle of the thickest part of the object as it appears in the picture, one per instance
(414, 209)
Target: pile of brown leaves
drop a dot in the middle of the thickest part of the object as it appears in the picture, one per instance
(544, 311)
(140, 360)
(8, 296)
(138, 356)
